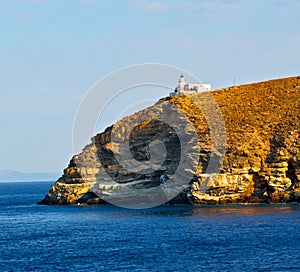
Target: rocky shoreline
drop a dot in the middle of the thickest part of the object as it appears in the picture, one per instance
(261, 163)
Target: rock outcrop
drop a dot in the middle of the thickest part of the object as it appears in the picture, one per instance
(261, 163)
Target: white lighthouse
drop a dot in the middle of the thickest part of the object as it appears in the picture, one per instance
(182, 83)
(184, 88)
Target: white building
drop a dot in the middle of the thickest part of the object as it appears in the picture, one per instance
(184, 88)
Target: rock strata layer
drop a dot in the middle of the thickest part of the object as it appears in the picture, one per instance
(261, 163)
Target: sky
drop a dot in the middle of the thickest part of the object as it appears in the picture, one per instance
(53, 51)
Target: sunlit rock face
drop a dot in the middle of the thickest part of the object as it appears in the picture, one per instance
(261, 164)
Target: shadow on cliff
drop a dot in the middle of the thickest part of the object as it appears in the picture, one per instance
(280, 152)
(90, 198)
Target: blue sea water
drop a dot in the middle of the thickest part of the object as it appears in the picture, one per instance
(167, 238)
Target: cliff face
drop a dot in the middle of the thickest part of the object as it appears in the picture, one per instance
(261, 163)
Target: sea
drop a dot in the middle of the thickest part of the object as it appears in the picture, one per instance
(165, 238)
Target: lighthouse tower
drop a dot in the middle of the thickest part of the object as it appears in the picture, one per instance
(185, 89)
(182, 83)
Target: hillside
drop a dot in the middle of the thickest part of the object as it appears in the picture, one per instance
(262, 155)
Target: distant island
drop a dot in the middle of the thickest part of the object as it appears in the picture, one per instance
(261, 164)
(12, 175)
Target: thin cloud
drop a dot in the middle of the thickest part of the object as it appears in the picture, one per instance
(86, 1)
(216, 8)
(222, 6)
(150, 5)
(155, 6)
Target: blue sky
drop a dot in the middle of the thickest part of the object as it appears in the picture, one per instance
(52, 51)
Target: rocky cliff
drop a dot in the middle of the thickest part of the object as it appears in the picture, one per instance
(261, 162)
